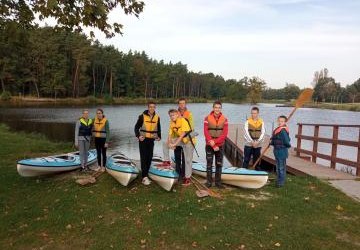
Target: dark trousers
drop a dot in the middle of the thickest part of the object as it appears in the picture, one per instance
(179, 162)
(100, 150)
(146, 148)
(254, 152)
(210, 153)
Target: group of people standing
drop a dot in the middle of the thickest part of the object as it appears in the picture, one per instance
(181, 138)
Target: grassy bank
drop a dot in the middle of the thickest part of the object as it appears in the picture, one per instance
(56, 213)
(335, 106)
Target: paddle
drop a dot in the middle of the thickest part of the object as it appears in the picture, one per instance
(211, 193)
(201, 193)
(305, 96)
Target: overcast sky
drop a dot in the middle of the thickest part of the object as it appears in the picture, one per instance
(278, 40)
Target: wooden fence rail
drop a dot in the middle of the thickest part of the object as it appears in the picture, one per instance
(334, 141)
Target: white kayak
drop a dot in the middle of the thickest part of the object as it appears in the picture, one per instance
(121, 168)
(164, 177)
(240, 177)
(52, 164)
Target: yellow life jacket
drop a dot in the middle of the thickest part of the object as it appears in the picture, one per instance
(149, 127)
(100, 128)
(254, 128)
(215, 126)
(178, 127)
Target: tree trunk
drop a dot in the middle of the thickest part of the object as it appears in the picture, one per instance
(103, 83)
(94, 81)
(2, 85)
(146, 86)
(75, 78)
(111, 84)
(37, 90)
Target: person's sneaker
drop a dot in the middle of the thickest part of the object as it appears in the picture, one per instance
(186, 182)
(219, 185)
(98, 168)
(146, 181)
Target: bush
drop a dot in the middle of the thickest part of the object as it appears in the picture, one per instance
(5, 96)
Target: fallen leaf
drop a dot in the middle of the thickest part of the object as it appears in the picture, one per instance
(339, 208)
(194, 244)
(68, 226)
(205, 227)
(149, 232)
(277, 244)
(276, 217)
(100, 216)
(150, 210)
(242, 247)
(306, 198)
(83, 222)
(143, 241)
(163, 233)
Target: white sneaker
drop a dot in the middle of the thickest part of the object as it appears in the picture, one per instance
(98, 168)
(146, 181)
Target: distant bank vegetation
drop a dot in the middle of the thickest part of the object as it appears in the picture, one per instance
(49, 63)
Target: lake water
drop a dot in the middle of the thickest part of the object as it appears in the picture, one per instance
(57, 123)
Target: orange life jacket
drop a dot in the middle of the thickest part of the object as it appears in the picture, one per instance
(215, 126)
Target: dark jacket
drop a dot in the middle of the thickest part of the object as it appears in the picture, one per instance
(140, 122)
(281, 143)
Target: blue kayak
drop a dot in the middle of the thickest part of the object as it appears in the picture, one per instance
(121, 168)
(52, 164)
(240, 177)
(165, 177)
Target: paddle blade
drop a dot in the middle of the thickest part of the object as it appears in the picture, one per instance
(304, 97)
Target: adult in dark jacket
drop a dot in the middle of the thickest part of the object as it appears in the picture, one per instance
(147, 130)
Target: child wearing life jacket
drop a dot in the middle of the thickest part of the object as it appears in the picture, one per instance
(280, 140)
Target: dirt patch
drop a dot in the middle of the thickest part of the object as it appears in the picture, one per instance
(261, 196)
(346, 238)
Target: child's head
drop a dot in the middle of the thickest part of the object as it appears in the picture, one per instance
(182, 103)
(151, 107)
(254, 113)
(282, 119)
(217, 106)
(174, 114)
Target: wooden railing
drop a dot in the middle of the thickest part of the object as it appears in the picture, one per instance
(334, 141)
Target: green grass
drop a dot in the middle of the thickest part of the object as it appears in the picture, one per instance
(335, 106)
(36, 213)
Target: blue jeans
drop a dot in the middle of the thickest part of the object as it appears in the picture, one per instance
(280, 171)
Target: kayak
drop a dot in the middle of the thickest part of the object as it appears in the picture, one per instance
(121, 168)
(240, 177)
(52, 164)
(164, 177)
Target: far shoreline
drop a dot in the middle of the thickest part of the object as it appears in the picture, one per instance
(90, 100)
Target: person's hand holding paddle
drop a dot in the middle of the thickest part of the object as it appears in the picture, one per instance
(305, 96)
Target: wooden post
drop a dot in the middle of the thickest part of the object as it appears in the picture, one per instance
(298, 146)
(236, 137)
(358, 157)
(334, 146)
(315, 142)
